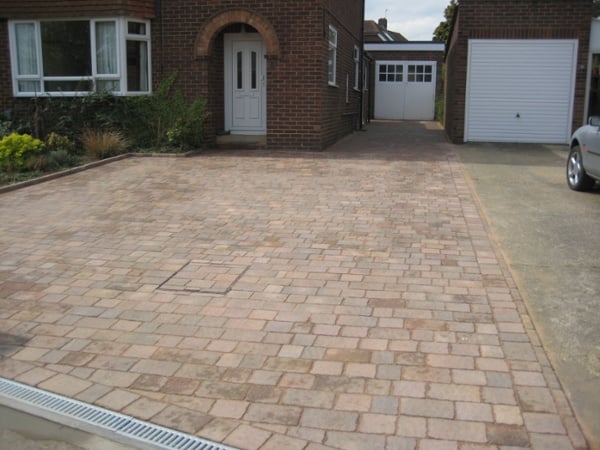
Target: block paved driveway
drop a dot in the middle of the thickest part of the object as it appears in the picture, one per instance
(346, 299)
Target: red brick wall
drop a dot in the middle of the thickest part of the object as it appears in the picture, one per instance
(5, 75)
(37, 9)
(438, 57)
(340, 117)
(455, 85)
(513, 19)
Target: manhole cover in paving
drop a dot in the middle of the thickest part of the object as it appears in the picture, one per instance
(204, 277)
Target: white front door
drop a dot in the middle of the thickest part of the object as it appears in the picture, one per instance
(245, 84)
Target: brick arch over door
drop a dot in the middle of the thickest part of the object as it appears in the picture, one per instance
(216, 23)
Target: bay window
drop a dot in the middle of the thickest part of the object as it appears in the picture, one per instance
(77, 57)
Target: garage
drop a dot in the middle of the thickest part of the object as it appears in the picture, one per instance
(520, 90)
(405, 90)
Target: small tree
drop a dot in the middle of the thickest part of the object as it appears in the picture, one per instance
(443, 29)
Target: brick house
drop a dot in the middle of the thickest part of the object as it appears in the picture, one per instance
(516, 70)
(378, 32)
(287, 71)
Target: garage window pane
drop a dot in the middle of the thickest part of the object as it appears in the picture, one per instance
(391, 73)
(420, 73)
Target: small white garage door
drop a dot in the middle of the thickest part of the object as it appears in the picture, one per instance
(520, 90)
(405, 90)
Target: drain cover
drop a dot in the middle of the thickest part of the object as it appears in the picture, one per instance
(100, 421)
(204, 277)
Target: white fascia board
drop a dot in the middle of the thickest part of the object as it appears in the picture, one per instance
(406, 47)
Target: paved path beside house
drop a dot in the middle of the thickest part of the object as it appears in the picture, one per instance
(549, 235)
(348, 299)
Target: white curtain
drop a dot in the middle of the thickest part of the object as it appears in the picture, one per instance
(26, 51)
(106, 48)
(26, 56)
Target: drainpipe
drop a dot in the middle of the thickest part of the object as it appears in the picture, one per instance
(158, 12)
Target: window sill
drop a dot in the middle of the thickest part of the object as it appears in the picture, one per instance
(333, 85)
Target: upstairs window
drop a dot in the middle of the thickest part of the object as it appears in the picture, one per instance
(332, 56)
(77, 57)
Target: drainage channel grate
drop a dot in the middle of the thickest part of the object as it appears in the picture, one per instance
(92, 419)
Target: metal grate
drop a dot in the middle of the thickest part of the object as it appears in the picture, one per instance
(96, 420)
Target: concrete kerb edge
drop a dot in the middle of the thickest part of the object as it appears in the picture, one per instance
(92, 165)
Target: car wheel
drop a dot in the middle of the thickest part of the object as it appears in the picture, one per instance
(577, 179)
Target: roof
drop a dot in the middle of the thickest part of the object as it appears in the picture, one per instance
(378, 32)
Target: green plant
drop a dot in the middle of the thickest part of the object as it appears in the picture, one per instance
(17, 151)
(164, 118)
(5, 128)
(103, 144)
(54, 160)
(56, 142)
(188, 130)
(69, 116)
(440, 101)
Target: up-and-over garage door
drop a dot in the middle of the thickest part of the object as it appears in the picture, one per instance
(520, 90)
(405, 90)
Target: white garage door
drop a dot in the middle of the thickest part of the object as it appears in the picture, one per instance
(520, 90)
(405, 90)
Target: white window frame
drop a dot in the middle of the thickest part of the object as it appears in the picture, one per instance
(390, 72)
(121, 38)
(356, 67)
(420, 73)
(332, 56)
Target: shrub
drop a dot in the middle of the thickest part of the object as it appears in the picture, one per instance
(103, 144)
(17, 151)
(58, 152)
(56, 142)
(53, 160)
(69, 116)
(188, 130)
(164, 118)
(5, 128)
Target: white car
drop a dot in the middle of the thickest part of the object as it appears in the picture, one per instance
(583, 165)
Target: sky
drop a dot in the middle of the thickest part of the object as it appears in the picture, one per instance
(414, 19)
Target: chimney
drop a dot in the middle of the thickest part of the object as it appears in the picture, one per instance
(383, 23)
